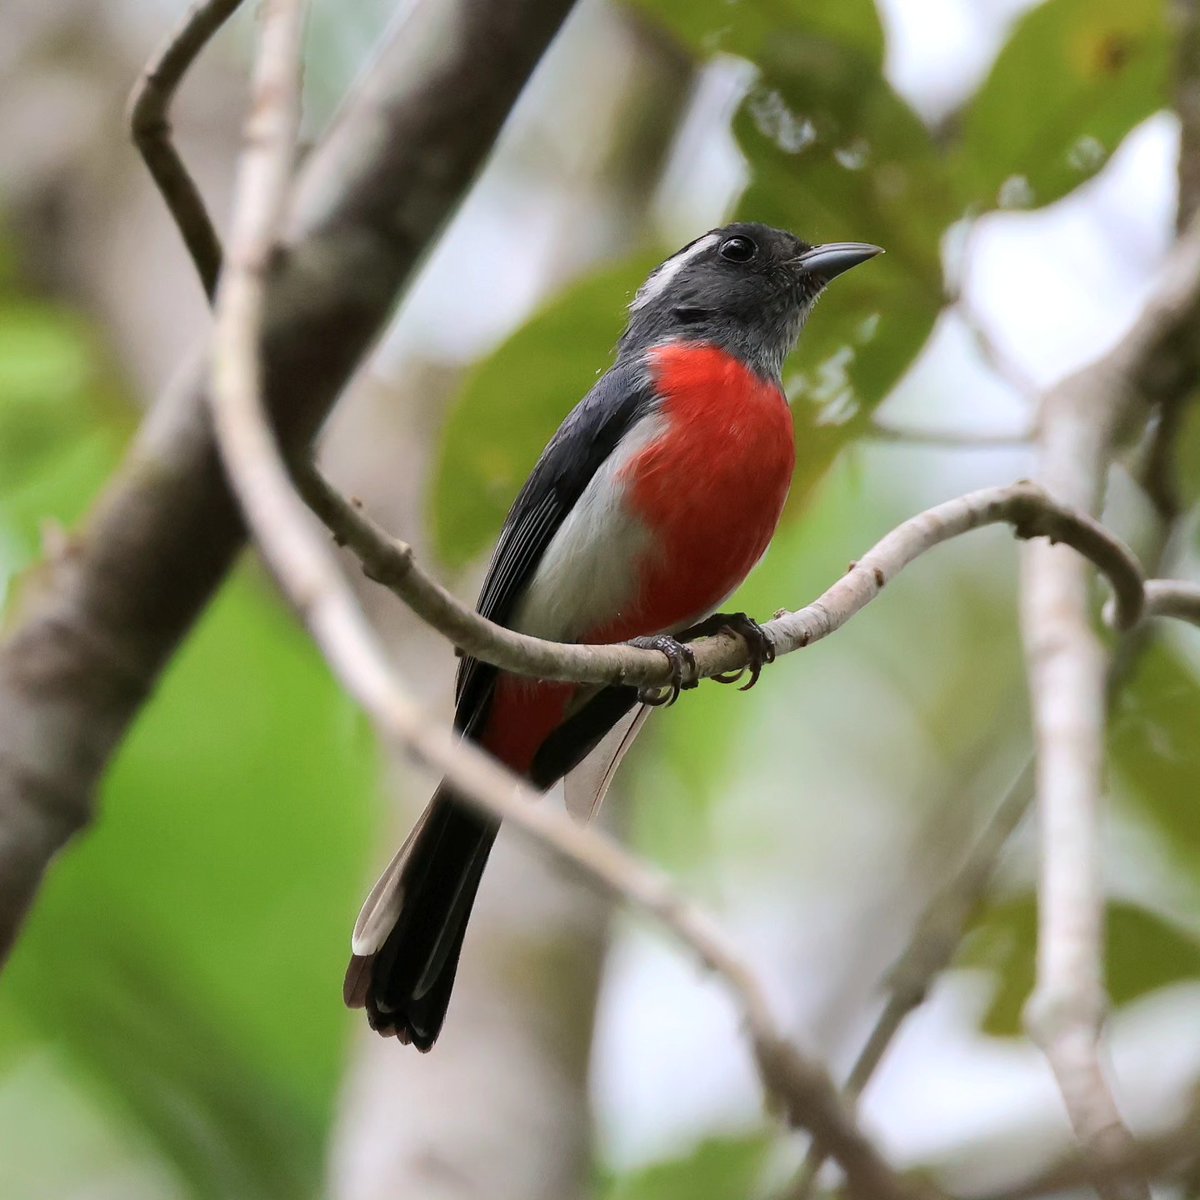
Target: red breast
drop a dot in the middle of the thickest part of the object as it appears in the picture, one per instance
(711, 488)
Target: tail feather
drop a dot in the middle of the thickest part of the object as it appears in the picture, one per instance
(404, 981)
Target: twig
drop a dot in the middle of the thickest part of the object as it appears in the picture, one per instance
(149, 122)
(930, 949)
(941, 926)
(1173, 598)
(1023, 505)
(1158, 474)
(994, 356)
(1079, 423)
(880, 430)
(309, 575)
(939, 930)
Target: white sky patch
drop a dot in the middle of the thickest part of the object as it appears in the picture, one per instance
(658, 282)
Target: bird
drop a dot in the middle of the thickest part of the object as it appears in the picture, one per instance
(657, 496)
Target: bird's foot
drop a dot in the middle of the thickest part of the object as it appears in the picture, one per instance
(683, 668)
(757, 639)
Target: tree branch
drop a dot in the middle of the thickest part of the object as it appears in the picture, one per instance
(1185, 16)
(1173, 598)
(881, 430)
(149, 122)
(1164, 1156)
(1023, 505)
(113, 607)
(1080, 422)
(930, 950)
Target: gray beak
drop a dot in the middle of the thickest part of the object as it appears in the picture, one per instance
(828, 261)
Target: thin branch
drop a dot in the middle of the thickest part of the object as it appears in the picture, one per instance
(1079, 422)
(1185, 16)
(942, 925)
(1003, 365)
(1161, 1157)
(309, 574)
(881, 430)
(150, 124)
(77, 667)
(930, 950)
(1173, 598)
(938, 932)
(994, 356)
(1023, 505)
(1158, 474)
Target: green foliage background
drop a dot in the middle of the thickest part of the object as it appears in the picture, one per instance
(146, 1004)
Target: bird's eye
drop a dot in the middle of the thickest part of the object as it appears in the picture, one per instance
(738, 249)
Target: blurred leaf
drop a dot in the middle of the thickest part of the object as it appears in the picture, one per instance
(188, 952)
(1154, 748)
(836, 155)
(728, 1168)
(1143, 952)
(1075, 77)
(747, 27)
(1186, 469)
(515, 400)
(868, 328)
(61, 420)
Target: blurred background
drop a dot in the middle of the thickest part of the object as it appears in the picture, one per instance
(171, 1023)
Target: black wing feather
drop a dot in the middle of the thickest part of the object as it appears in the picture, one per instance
(583, 442)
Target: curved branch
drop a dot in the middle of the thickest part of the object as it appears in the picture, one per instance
(149, 122)
(1080, 421)
(1173, 598)
(1161, 1157)
(1026, 507)
(881, 430)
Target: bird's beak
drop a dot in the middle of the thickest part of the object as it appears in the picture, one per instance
(828, 261)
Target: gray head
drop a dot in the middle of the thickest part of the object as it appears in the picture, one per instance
(744, 287)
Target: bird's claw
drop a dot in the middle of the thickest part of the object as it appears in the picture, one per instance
(682, 660)
(758, 642)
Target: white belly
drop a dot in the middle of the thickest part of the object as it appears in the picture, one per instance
(588, 573)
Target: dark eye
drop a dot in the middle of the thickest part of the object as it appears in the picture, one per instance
(738, 249)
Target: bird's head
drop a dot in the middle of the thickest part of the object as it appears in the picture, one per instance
(746, 288)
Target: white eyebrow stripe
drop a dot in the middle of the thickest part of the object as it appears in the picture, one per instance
(658, 281)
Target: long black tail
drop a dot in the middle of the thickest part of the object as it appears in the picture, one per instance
(410, 933)
(405, 984)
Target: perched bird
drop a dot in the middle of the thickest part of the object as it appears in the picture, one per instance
(651, 504)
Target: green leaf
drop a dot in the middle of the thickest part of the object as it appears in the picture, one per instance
(1143, 952)
(1154, 750)
(1075, 77)
(188, 952)
(515, 400)
(727, 1168)
(748, 27)
(61, 421)
(855, 348)
(836, 154)
(865, 170)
